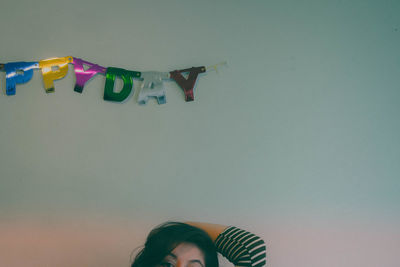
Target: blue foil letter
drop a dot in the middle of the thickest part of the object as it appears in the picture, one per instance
(18, 72)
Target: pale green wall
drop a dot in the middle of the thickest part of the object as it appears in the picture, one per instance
(297, 140)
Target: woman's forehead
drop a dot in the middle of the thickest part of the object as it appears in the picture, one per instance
(188, 252)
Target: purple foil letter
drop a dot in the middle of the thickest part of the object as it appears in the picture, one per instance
(83, 76)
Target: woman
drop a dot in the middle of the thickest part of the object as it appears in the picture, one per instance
(192, 244)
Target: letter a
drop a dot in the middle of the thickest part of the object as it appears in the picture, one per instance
(152, 86)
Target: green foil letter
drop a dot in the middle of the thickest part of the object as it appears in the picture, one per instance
(126, 76)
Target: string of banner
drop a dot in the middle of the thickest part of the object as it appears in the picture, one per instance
(151, 81)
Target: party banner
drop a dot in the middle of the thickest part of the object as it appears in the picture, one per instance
(152, 82)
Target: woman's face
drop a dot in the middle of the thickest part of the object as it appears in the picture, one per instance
(184, 255)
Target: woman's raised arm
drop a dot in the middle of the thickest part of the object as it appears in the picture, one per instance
(240, 247)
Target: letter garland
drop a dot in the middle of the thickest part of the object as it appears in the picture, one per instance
(151, 81)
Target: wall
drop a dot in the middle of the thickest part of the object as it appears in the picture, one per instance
(296, 140)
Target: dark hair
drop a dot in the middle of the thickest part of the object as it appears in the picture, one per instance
(164, 238)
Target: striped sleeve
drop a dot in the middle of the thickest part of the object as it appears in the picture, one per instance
(241, 247)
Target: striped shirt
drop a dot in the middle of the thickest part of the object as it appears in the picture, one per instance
(241, 247)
